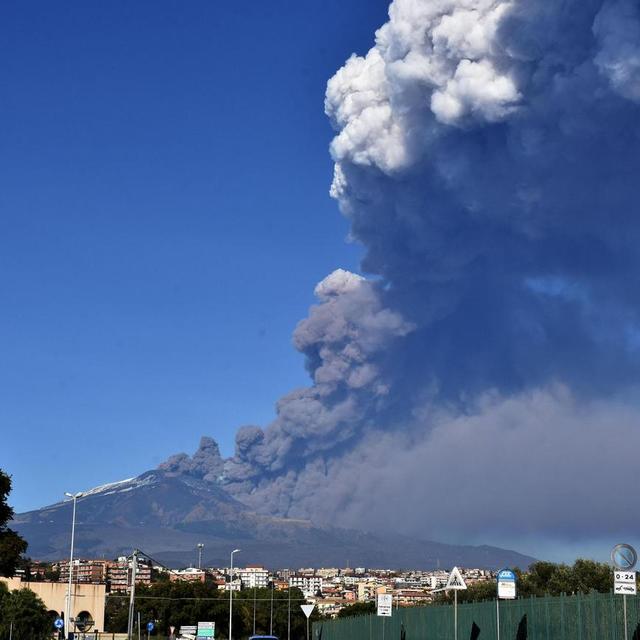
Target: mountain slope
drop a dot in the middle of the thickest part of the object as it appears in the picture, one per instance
(166, 514)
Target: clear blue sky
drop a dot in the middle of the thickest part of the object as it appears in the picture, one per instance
(164, 217)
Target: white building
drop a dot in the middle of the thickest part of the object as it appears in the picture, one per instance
(253, 576)
(309, 585)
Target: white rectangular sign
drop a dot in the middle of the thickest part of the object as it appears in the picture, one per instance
(385, 604)
(506, 590)
(624, 583)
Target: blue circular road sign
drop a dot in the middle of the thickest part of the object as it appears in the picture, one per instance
(58, 623)
(150, 626)
(624, 557)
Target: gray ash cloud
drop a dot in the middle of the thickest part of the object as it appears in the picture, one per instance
(205, 464)
(487, 155)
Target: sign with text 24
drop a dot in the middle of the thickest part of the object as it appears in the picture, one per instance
(624, 583)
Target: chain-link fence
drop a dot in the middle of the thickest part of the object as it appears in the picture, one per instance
(596, 616)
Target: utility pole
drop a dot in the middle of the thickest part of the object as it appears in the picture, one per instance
(254, 608)
(271, 616)
(231, 596)
(289, 614)
(132, 596)
(68, 609)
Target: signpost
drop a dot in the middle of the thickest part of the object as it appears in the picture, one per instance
(308, 610)
(150, 628)
(58, 623)
(384, 607)
(456, 583)
(624, 557)
(506, 591)
(188, 630)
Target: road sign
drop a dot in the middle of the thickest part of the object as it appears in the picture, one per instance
(624, 557)
(188, 630)
(308, 609)
(385, 605)
(455, 581)
(150, 626)
(58, 623)
(206, 630)
(624, 583)
(506, 585)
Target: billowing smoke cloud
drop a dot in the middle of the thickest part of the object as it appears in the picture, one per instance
(206, 464)
(487, 156)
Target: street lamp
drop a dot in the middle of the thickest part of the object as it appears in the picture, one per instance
(231, 595)
(67, 614)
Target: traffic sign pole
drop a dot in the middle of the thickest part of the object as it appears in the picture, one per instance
(624, 558)
(455, 615)
(307, 609)
(497, 618)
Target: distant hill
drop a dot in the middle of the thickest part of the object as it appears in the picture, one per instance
(166, 514)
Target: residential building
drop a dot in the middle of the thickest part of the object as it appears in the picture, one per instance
(84, 571)
(253, 576)
(308, 584)
(119, 573)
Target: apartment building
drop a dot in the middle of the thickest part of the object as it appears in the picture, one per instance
(119, 573)
(308, 584)
(84, 571)
(253, 576)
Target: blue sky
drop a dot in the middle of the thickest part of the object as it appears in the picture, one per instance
(164, 217)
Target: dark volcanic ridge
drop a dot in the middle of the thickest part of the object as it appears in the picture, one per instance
(166, 512)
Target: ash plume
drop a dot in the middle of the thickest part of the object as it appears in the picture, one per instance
(487, 155)
(205, 464)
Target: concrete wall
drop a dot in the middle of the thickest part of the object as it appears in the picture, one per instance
(86, 597)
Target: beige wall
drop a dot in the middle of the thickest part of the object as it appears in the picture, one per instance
(86, 597)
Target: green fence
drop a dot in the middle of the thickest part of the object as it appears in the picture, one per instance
(596, 616)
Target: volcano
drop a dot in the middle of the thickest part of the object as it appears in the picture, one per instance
(166, 512)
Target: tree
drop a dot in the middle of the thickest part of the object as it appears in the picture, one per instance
(543, 578)
(357, 609)
(548, 578)
(25, 613)
(12, 546)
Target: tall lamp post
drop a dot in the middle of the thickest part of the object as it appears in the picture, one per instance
(231, 596)
(67, 613)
